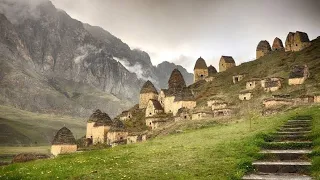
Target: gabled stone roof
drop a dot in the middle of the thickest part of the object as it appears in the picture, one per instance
(156, 104)
(64, 137)
(200, 64)
(176, 80)
(148, 87)
(277, 44)
(212, 70)
(263, 46)
(100, 119)
(227, 59)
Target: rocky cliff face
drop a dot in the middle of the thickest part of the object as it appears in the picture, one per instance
(52, 63)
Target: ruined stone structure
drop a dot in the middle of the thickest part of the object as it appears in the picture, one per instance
(253, 83)
(202, 114)
(63, 142)
(177, 95)
(276, 102)
(277, 45)
(298, 75)
(263, 48)
(125, 115)
(212, 70)
(237, 78)
(136, 137)
(200, 70)
(222, 112)
(226, 62)
(183, 114)
(153, 108)
(214, 100)
(304, 99)
(98, 126)
(271, 84)
(316, 98)
(220, 105)
(148, 91)
(297, 41)
(155, 123)
(117, 133)
(245, 95)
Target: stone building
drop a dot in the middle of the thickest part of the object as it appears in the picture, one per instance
(117, 133)
(219, 105)
(98, 126)
(237, 78)
(271, 84)
(263, 48)
(298, 75)
(253, 83)
(245, 95)
(222, 112)
(155, 123)
(183, 114)
(200, 70)
(297, 41)
(212, 70)
(63, 142)
(226, 62)
(177, 95)
(304, 99)
(148, 91)
(277, 45)
(125, 115)
(134, 137)
(202, 114)
(154, 107)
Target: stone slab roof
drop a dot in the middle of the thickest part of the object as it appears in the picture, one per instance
(228, 59)
(212, 70)
(176, 80)
(263, 46)
(297, 72)
(117, 126)
(200, 64)
(156, 104)
(148, 87)
(100, 119)
(64, 137)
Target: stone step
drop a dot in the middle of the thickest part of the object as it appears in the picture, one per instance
(296, 120)
(301, 167)
(292, 132)
(284, 155)
(295, 125)
(295, 129)
(285, 145)
(286, 137)
(276, 176)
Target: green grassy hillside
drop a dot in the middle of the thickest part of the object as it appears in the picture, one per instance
(275, 64)
(23, 128)
(222, 151)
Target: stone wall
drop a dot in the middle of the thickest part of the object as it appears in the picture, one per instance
(63, 149)
(144, 99)
(184, 116)
(296, 81)
(116, 136)
(218, 106)
(225, 66)
(182, 104)
(261, 54)
(211, 102)
(245, 96)
(155, 123)
(126, 116)
(317, 99)
(222, 112)
(136, 138)
(151, 110)
(237, 78)
(201, 115)
(200, 74)
(270, 103)
(97, 134)
(252, 84)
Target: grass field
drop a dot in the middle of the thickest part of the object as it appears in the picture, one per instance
(223, 151)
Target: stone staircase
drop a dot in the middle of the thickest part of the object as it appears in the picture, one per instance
(285, 157)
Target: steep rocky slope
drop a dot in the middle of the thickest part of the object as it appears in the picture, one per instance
(52, 63)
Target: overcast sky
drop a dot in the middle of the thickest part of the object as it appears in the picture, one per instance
(180, 31)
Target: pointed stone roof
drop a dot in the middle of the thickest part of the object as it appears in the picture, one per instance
(117, 126)
(200, 64)
(64, 137)
(227, 59)
(184, 94)
(156, 104)
(176, 80)
(100, 119)
(301, 36)
(148, 87)
(212, 70)
(263, 46)
(277, 44)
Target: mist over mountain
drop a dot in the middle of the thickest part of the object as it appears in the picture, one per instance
(52, 63)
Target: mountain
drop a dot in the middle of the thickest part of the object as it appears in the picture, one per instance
(51, 63)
